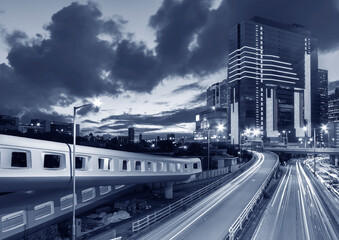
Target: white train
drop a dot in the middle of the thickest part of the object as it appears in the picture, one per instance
(29, 164)
(46, 168)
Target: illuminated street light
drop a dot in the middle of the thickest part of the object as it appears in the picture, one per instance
(256, 132)
(220, 127)
(96, 103)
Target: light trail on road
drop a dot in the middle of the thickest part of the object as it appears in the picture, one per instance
(300, 214)
(211, 217)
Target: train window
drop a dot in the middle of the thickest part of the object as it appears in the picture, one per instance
(67, 201)
(52, 161)
(44, 210)
(80, 162)
(104, 163)
(88, 194)
(101, 163)
(105, 189)
(185, 166)
(138, 166)
(14, 220)
(124, 165)
(171, 167)
(19, 159)
(179, 167)
(149, 166)
(195, 165)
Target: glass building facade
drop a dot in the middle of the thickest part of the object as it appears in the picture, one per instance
(217, 95)
(323, 95)
(272, 79)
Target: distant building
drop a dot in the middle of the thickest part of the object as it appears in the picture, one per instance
(123, 139)
(333, 131)
(64, 128)
(323, 92)
(333, 106)
(41, 126)
(217, 95)
(131, 134)
(171, 136)
(9, 123)
(217, 125)
(140, 138)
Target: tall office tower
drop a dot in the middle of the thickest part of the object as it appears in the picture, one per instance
(217, 95)
(323, 94)
(272, 79)
(333, 106)
(131, 134)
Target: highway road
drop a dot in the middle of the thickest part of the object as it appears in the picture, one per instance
(211, 217)
(296, 211)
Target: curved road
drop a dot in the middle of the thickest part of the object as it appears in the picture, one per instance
(211, 217)
(296, 210)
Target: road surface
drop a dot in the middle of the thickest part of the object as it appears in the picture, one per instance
(296, 211)
(211, 217)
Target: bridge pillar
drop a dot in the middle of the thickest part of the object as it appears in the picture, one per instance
(334, 159)
(169, 190)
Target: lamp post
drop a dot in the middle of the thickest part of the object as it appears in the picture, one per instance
(305, 131)
(206, 126)
(95, 103)
(220, 128)
(325, 131)
(314, 143)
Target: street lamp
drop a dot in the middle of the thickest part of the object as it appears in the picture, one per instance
(325, 130)
(305, 131)
(206, 126)
(96, 103)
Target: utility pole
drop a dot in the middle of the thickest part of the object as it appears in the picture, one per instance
(314, 143)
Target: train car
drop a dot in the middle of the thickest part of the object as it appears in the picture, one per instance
(27, 163)
(35, 166)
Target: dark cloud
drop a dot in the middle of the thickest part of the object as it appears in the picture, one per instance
(178, 24)
(175, 23)
(166, 118)
(198, 99)
(187, 87)
(50, 116)
(161, 103)
(90, 121)
(74, 62)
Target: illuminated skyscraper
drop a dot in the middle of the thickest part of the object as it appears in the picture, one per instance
(323, 92)
(272, 79)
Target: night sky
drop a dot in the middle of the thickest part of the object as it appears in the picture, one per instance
(149, 61)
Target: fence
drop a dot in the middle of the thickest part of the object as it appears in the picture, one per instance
(111, 235)
(244, 214)
(161, 214)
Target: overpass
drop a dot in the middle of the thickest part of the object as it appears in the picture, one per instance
(333, 152)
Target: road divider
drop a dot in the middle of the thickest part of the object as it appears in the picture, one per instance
(237, 225)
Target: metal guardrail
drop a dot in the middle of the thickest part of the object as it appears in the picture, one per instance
(245, 213)
(328, 186)
(161, 214)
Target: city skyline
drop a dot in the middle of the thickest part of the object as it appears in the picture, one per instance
(158, 85)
